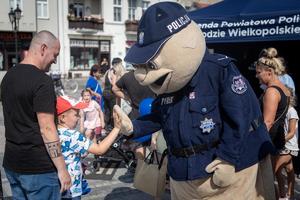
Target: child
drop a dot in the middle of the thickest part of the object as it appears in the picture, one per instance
(74, 144)
(94, 118)
(291, 149)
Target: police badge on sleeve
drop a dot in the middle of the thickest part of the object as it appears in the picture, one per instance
(238, 85)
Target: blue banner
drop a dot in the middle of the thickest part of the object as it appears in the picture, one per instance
(282, 27)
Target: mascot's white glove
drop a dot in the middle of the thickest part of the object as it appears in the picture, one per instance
(224, 172)
(126, 124)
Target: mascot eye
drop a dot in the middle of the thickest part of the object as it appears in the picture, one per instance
(152, 65)
(149, 65)
(139, 66)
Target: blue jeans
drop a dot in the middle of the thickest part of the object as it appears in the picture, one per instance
(34, 186)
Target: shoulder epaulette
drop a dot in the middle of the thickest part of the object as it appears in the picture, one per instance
(219, 59)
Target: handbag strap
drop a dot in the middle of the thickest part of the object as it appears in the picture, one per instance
(162, 158)
(96, 87)
(285, 110)
(286, 107)
(151, 156)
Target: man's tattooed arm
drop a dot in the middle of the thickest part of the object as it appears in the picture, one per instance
(54, 149)
(51, 140)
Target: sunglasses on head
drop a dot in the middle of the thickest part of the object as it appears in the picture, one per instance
(264, 63)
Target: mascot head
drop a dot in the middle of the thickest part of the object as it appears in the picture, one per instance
(169, 48)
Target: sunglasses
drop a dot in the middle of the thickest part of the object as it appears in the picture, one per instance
(264, 63)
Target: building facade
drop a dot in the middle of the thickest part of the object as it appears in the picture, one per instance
(98, 30)
(35, 16)
(90, 31)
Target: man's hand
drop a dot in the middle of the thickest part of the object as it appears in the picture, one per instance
(126, 125)
(64, 179)
(224, 172)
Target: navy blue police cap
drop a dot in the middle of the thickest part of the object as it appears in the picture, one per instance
(157, 25)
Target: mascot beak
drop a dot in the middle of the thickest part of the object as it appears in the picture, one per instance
(146, 76)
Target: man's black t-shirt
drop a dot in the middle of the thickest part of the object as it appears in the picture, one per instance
(134, 90)
(26, 90)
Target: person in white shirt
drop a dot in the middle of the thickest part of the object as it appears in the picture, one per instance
(287, 80)
(290, 149)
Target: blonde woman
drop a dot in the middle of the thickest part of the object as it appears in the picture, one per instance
(274, 100)
(290, 149)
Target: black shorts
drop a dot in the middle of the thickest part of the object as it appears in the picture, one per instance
(286, 151)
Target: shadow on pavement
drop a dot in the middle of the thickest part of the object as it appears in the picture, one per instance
(127, 177)
(131, 194)
(106, 172)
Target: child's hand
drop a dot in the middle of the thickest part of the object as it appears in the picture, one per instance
(117, 120)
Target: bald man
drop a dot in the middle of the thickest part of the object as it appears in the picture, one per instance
(33, 162)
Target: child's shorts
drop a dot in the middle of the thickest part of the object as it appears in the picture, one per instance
(98, 130)
(288, 152)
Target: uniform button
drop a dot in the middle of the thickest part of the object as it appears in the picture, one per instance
(204, 109)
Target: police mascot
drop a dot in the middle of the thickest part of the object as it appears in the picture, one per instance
(218, 145)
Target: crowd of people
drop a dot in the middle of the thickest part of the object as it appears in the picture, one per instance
(42, 154)
(44, 149)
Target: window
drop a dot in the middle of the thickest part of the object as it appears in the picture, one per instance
(78, 10)
(105, 46)
(117, 10)
(13, 4)
(42, 9)
(131, 9)
(117, 2)
(145, 5)
(85, 53)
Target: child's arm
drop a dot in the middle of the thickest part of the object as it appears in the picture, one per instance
(291, 129)
(81, 121)
(104, 145)
(94, 93)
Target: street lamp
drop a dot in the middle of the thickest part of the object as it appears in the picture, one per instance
(14, 17)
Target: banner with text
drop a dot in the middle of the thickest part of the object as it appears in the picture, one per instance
(246, 29)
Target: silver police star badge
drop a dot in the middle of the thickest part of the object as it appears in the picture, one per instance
(238, 85)
(207, 125)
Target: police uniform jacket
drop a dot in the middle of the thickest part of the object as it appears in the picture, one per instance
(217, 110)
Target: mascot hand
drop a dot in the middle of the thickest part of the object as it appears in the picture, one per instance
(126, 125)
(224, 172)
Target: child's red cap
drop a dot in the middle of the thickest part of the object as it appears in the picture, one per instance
(65, 103)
